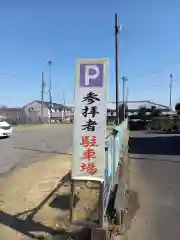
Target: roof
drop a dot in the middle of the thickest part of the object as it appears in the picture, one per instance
(133, 105)
(55, 105)
(11, 109)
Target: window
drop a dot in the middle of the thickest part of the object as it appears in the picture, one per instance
(31, 109)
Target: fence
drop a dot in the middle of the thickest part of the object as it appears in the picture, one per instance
(98, 201)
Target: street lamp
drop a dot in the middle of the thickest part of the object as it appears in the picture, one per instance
(50, 91)
(170, 89)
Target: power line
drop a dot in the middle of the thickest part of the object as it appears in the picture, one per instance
(156, 71)
(6, 75)
(138, 77)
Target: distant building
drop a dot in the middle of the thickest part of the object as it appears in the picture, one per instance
(31, 112)
(13, 115)
(133, 107)
(59, 111)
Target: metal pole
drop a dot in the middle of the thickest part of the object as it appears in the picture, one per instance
(127, 93)
(42, 98)
(64, 102)
(117, 63)
(170, 89)
(123, 98)
(50, 93)
(124, 79)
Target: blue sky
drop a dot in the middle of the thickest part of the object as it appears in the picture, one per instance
(33, 32)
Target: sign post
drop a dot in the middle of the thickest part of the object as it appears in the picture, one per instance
(88, 163)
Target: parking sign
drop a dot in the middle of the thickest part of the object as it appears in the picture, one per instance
(90, 119)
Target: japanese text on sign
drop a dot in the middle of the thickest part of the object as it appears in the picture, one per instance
(89, 113)
(90, 124)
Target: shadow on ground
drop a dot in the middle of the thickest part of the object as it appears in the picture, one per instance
(155, 159)
(157, 145)
(63, 201)
(41, 151)
(3, 138)
(162, 132)
(24, 223)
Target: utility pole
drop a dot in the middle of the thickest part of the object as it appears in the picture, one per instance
(127, 95)
(64, 102)
(42, 98)
(50, 90)
(124, 80)
(117, 65)
(170, 89)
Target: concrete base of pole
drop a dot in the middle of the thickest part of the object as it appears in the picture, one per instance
(100, 234)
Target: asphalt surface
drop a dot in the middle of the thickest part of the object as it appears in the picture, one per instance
(30, 145)
(156, 158)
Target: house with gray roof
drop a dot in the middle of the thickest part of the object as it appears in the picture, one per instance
(59, 111)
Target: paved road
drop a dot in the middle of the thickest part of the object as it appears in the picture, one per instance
(156, 175)
(27, 146)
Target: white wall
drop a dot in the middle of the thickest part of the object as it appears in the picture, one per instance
(33, 112)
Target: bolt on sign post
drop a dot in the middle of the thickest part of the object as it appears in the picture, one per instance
(90, 120)
(90, 116)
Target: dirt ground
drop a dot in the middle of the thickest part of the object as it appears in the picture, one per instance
(34, 200)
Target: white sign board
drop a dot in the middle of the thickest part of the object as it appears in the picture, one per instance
(90, 120)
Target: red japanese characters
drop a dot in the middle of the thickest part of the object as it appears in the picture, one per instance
(89, 154)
